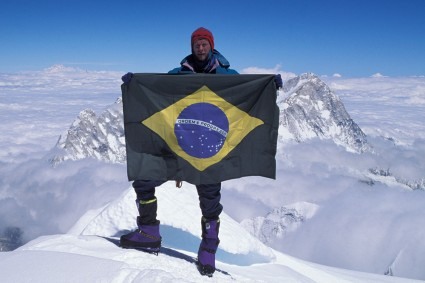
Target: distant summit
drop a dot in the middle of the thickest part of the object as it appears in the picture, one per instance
(100, 137)
(308, 109)
(58, 68)
(272, 228)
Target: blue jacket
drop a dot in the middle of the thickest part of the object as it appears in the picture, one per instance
(221, 65)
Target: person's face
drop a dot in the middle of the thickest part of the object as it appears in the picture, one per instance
(201, 49)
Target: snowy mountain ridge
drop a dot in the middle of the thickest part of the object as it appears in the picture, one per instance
(177, 209)
(309, 109)
(279, 221)
(91, 248)
(100, 137)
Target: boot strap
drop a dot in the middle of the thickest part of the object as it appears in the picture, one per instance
(211, 251)
(148, 236)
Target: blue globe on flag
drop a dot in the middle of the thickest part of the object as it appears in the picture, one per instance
(201, 129)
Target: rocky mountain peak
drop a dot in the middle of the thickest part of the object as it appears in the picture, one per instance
(309, 108)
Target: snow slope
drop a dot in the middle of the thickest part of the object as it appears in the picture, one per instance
(89, 252)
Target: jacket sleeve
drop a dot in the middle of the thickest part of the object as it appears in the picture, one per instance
(232, 72)
(174, 71)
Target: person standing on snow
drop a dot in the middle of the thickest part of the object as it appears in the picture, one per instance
(203, 59)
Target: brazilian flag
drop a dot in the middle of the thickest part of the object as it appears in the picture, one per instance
(200, 128)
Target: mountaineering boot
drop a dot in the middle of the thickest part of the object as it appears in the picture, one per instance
(208, 246)
(147, 236)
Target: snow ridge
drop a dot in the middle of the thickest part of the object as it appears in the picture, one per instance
(91, 248)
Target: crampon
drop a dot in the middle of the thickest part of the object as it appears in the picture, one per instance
(149, 250)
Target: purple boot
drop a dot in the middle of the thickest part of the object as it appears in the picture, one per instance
(208, 246)
(147, 236)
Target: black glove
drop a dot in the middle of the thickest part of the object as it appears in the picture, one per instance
(278, 81)
(127, 78)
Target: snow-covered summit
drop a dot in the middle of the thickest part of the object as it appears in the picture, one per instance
(309, 108)
(272, 227)
(58, 68)
(178, 209)
(89, 252)
(100, 137)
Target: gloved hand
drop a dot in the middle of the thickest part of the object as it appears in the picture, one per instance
(127, 78)
(278, 81)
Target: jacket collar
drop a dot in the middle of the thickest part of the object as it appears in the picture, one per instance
(220, 61)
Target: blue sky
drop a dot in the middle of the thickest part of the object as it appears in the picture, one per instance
(353, 38)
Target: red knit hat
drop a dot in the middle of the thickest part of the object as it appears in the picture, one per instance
(202, 33)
